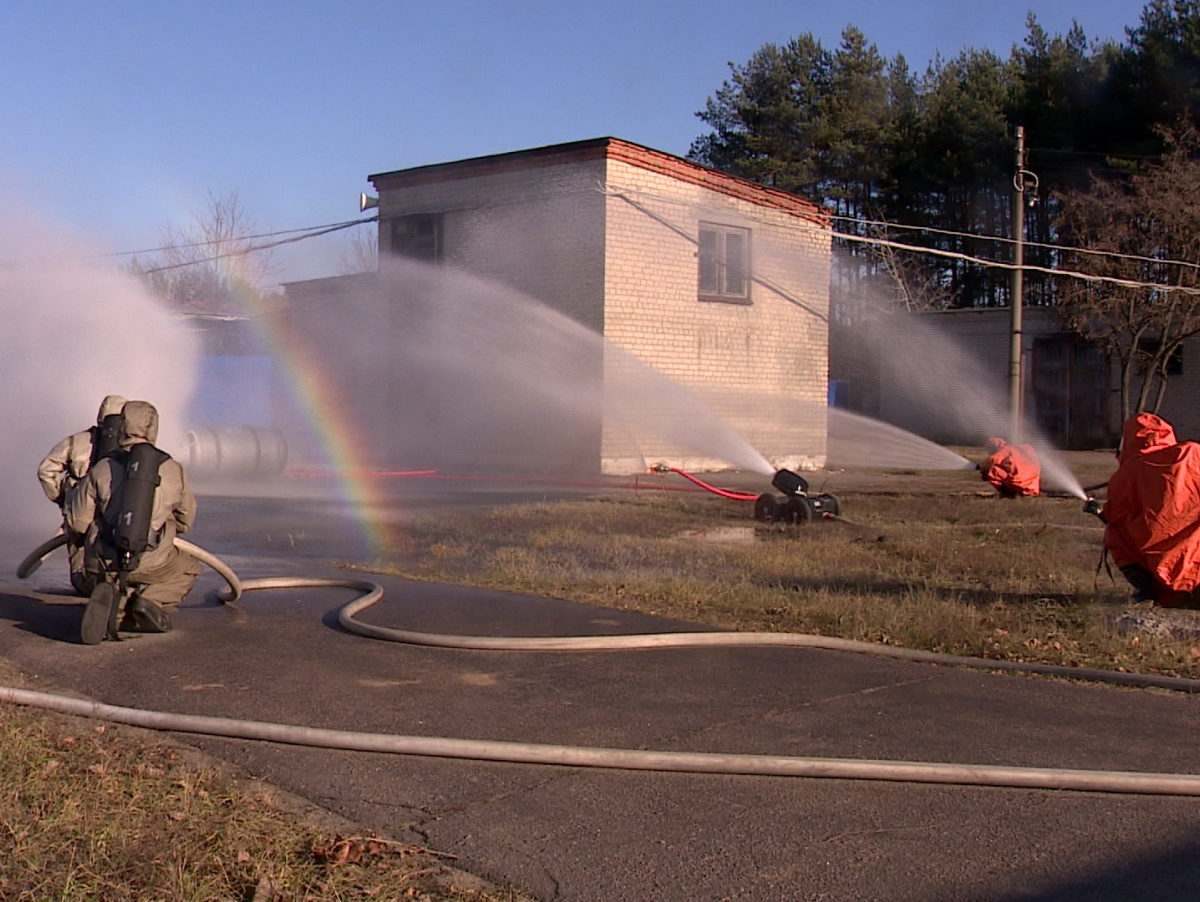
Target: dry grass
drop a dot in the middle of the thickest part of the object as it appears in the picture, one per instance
(92, 812)
(952, 570)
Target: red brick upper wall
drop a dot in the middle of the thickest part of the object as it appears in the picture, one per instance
(604, 148)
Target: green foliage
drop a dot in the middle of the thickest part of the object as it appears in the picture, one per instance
(870, 140)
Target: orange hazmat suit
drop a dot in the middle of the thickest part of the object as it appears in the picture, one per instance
(1153, 507)
(1012, 469)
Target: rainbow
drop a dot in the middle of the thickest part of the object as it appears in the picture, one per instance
(338, 434)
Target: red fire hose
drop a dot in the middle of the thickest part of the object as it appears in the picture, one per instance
(724, 493)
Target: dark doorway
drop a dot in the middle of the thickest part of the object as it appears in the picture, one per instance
(1070, 389)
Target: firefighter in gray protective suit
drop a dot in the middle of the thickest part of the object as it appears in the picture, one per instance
(160, 575)
(63, 468)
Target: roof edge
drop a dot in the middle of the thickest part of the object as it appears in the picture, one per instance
(612, 149)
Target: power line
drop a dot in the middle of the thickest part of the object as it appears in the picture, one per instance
(241, 252)
(936, 252)
(1000, 239)
(997, 264)
(932, 230)
(243, 238)
(1096, 153)
(317, 231)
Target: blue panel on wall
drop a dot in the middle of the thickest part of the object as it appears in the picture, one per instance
(839, 393)
(232, 391)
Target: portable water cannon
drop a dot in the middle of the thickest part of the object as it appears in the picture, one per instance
(791, 484)
(797, 506)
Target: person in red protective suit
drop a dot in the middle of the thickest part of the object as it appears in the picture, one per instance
(1152, 514)
(1013, 469)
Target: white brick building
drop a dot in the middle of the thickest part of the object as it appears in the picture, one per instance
(720, 284)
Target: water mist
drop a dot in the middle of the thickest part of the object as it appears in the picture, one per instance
(933, 384)
(448, 368)
(73, 333)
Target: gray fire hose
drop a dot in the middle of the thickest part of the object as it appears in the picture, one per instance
(629, 759)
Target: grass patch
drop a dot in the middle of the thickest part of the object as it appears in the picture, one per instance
(91, 812)
(99, 812)
(960, 572)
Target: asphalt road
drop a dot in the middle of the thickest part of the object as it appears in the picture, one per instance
(564, 833)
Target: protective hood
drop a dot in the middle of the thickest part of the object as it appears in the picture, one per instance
(141, 424)
(1143, 433)
(110, 405)
(1153, 507)
(1012, 469)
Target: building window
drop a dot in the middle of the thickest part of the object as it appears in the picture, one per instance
(418, 236)
(724, 255)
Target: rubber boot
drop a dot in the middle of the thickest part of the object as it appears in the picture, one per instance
(144, 616)
(1146, 587)
(98, 613)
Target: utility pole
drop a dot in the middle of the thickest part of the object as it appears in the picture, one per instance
(1015, 385)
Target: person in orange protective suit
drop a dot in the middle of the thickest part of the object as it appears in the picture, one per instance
(1013, 469)
(1152, 514)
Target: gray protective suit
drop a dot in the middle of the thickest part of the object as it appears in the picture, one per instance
(163, 573)
(61, 470)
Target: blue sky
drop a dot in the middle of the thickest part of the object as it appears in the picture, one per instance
(119, 118)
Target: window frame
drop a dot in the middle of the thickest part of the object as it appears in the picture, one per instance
(705, 290)
(410, 220)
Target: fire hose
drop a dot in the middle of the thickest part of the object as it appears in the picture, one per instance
(628, 759)
(724, 493)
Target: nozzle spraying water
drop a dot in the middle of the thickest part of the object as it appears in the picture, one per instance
(790, 483)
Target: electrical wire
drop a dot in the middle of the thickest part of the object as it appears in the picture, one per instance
(261, 247)
(156, 250)
(882, 242)
(999, 239)
(935, 252)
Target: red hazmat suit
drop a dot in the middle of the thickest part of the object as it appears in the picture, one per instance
(1153, 507)
(1012, 469)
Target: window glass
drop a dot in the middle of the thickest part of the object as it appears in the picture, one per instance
(735, 263)
(724, 271)
(418, 236)
(708, 261)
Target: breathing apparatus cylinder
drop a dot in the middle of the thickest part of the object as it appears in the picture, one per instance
(106, 437)
(135, 504)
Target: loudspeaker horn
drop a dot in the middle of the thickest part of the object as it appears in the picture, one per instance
(366, 203)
